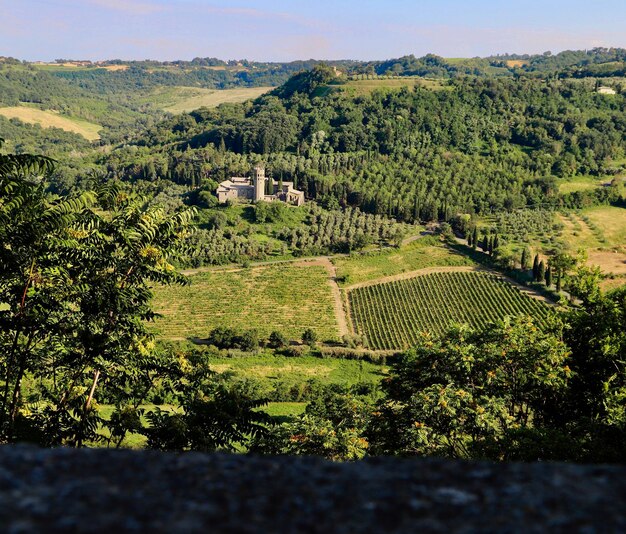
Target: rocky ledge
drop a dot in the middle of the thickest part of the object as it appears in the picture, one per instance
(65, 490)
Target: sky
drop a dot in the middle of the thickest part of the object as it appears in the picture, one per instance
(286, 30)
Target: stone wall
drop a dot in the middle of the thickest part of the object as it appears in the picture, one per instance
(66, 490)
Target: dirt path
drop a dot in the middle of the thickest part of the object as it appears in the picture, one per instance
(459, 269)
(340, 311)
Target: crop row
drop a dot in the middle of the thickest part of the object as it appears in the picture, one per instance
(393, 315)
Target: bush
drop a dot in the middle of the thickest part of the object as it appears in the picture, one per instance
(277, 340)
(309, 337)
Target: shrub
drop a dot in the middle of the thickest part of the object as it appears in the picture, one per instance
(309, 337)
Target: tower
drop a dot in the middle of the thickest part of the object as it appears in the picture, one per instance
(258, 179)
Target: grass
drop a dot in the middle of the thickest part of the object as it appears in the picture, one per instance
(269, 370)
(419, 254)
(284, 411)
(365, 87)
(581, 183)
(52, 119)
(184, 99)
(393, 315)
(611, 220)
(284, 297)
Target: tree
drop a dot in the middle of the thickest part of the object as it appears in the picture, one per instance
(524, 262)
(464, 395)
(309, 337)
(549, 276)
(332, 427)
(217, 413)
(536, 268)
(561, 264)
(541, 272)
(485, 243)
(277, 340)
(475, 238)
(75, 277)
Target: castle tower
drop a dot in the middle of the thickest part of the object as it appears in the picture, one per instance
(258, 179)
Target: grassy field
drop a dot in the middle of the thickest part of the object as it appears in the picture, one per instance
(581, 183)
(284, 297)
(419, 254)
(612, 222)
(392, 315)
(51, 119)
(365, 87)
(184, 99)
(271, 369)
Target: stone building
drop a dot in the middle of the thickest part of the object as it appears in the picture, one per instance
(256, 189)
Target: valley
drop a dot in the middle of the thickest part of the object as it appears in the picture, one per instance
(454, 212)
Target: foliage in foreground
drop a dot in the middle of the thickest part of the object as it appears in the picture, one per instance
(75, 278)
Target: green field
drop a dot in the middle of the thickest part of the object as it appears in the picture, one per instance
(419, 254)
(581, 183)
(52, 119)
(185, 99)
(270, 369)
(392, 315)
(284, 297)
(365, 87)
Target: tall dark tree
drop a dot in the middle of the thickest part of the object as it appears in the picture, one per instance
(541, 271)
(536, 268)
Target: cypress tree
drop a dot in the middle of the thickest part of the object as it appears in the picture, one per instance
(491, 246)
(496, 242)
(485, 244)
(524, 260)
(536, 268)
(541, 272)
(548, 276)
(475, 238)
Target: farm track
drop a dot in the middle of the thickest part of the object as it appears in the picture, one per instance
(340, 312)
(453, 269)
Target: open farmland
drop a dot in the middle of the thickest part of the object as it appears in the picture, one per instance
(52, 119)
(419, 254)
(365, 87)
(284, 297)
(184, 99)
(392, 315)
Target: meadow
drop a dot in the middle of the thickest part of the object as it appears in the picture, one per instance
(269, 370)
(285, 297)
(52, 119)
(358, 87)
(185, 99)
(392, 315)
(419, 254)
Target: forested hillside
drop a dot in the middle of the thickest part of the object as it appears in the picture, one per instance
(473, 146)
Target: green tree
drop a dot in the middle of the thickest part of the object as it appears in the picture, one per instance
(524, 262)
(464, 394)
(309, 337)
(541, 272)
(76, 276)
(536, 268)
(561, 264)
(549, 276)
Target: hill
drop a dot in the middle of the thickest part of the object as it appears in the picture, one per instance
(50, 119)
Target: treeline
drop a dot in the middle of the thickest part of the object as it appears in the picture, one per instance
(478, 146)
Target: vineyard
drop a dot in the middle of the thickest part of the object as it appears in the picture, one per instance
(392, 315)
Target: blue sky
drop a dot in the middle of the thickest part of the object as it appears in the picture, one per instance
(282, 30)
